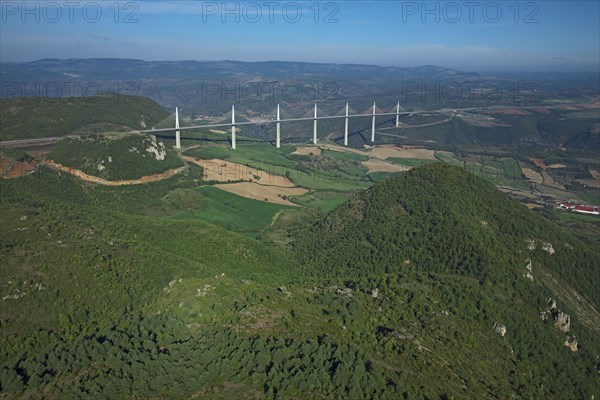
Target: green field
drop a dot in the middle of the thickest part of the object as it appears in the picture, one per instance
(409, 162)
(502, 172)
(231, 211)
(595, 114)
(322, 179)
(591, 198)
(499, 171)
(345, 156)
(322, 199)
(447, 157)
(573, 216)
(381, 176)
(259, 155)
(195, 137)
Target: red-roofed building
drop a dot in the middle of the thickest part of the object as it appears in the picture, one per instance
(587, 210)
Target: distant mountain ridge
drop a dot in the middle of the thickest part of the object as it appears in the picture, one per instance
(119, 69)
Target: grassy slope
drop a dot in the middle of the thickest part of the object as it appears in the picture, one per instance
(230, 211)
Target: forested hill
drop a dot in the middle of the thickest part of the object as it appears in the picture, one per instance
(441, 218)
(456, 243)
(40, 117)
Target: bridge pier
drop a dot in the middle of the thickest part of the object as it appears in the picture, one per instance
(315, 126)
(278, 138)
(233, 127)
(398, 115)
(373, 125)
(177, 135)
(346, 127)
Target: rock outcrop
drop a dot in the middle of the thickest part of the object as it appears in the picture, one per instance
(344, 292)
(547, 247)
(528, 268)
(500, 329)
(156, 148)
(562, 321)
(571, 343)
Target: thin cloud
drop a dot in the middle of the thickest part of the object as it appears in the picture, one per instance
(96, 37)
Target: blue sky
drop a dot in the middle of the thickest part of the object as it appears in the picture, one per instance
(476, 35)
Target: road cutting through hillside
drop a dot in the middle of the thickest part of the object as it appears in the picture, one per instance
(101, 181)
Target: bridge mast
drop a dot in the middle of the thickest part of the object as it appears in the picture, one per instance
(373, 125)
(315, 126)
(233, 127)
(278, 139)
(346, 127)
(177, 136)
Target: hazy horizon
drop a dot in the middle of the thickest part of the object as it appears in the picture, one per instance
(482, 36)
(480, 71)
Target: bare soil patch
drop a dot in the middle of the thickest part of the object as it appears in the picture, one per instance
(344, 149)
(271, 194)
(549, 181)
(532, 176)
(375, 165)
(544, 111)
(593, 183)
(511, 111)
(591, 106)
(16, 169)
(306, 151)
(538, 162)
(227, 171)
(386, 151)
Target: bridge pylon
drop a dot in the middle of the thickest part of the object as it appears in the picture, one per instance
(315, 126)
(233, 144)
(177, 135)
(346, 126)
(278, 137)
(373, 124)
